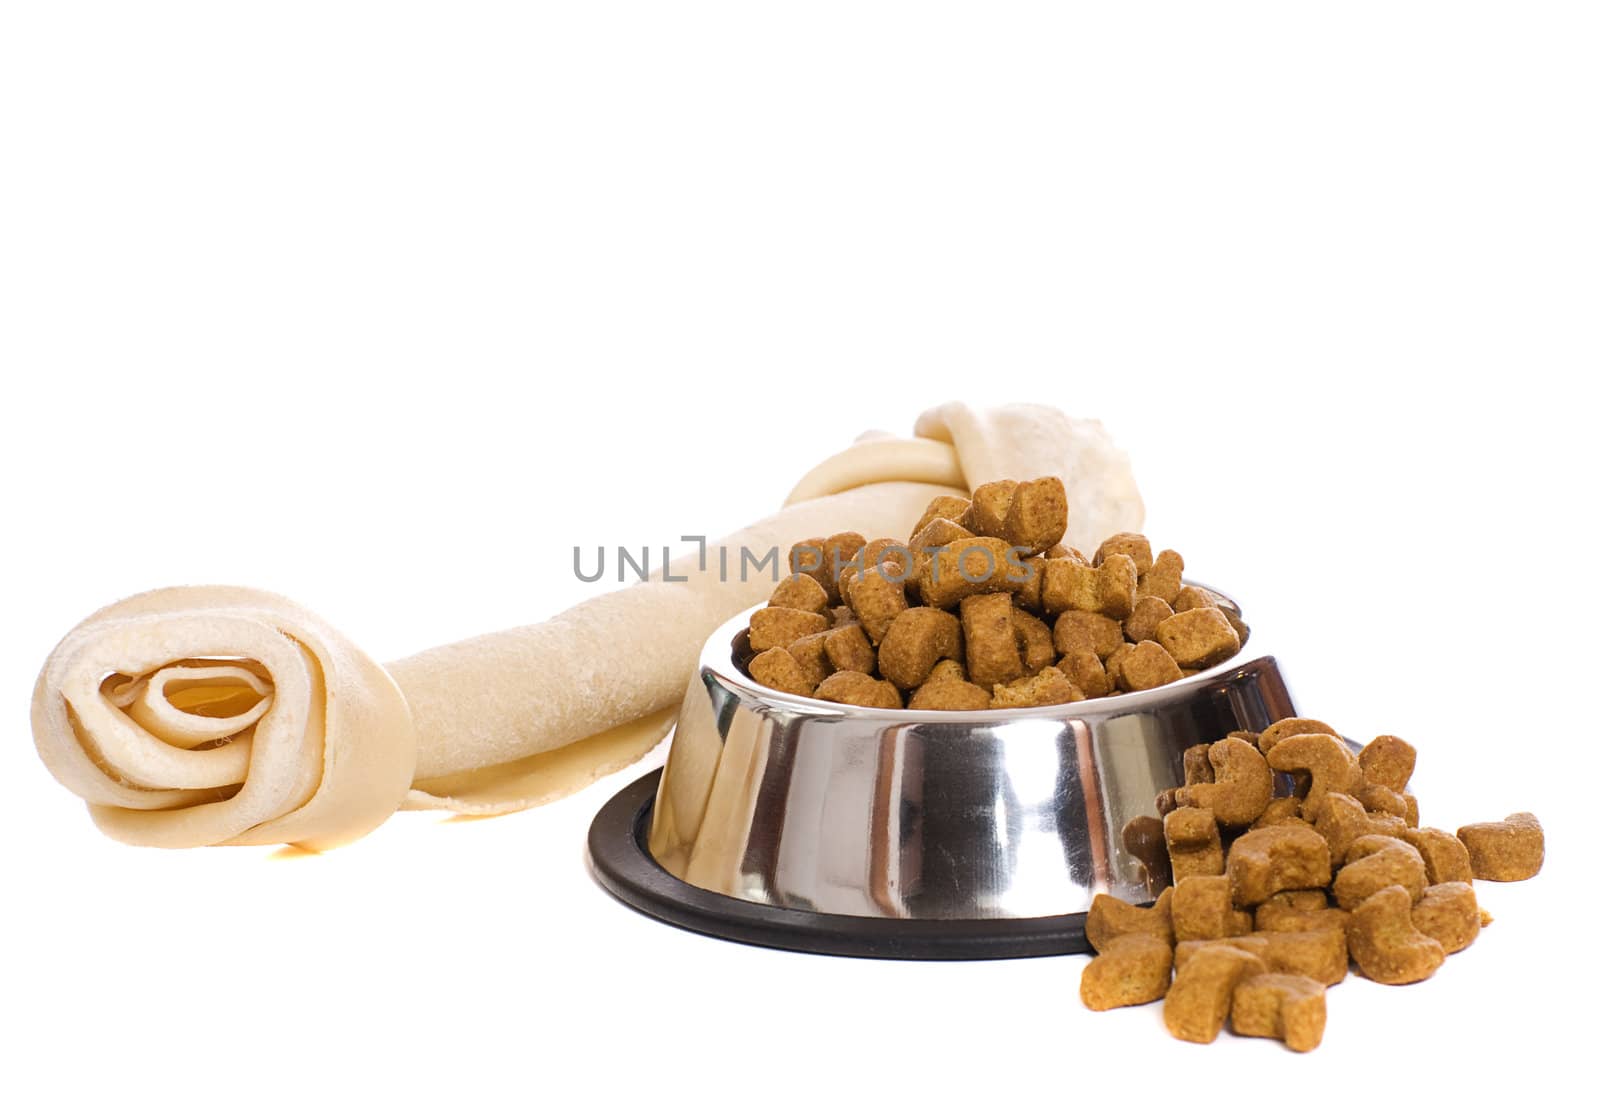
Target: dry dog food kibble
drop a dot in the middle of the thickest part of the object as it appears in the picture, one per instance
(986, 583)
(1285, 855)
(1505, 852)
(1131, 970)
(1290, 1007)
(1275, 896)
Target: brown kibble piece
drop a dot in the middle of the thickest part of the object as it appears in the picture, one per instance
(1342, 820)
(1198, 638)
(937, 533)
(1388, 761)
(811, 654)
(850, 650)
(1386, 945)
(1443, 854)
(1287, 728)
(1029, 593)
(1148, 613)
(971, 565)
(847, 579)
(1190, 597)
(1197, 765)
(916, 640)
(1449, 914)
(1510, 851)
(1110, 918)
(1131, 544)
(838, 550)
(800, 592)
(949, 695)
(1035, 643)
(1281, 810)
(929, 541)
(988, 628)
(825, 558)
(1254, 943)
(1290, 1007)
(1086, 673)
(1147, 665)
(1269, 860)
(947, 669)
(805, 556)
(949, 508)
(774, 626)
(1081, 631)
(1287, 919)
(1069, 585)
(883, 549)
(1318, 954)
(1201, 996)
(1046, 687)
(990, 503)
(1376, 862)
(1202, 909)
(1379, 798)
(1117, 585)
(1242, 787)
(1304, 901)
(859, 689)
(777, 668)
(1193, 843)
(878, 596)
(1036, 516)
(1108, 589)
(1329, 762)
(1165, 578)
(1131, 970)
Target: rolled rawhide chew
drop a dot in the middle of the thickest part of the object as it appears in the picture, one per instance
(203, 715)
(219, 715)
(223, 715)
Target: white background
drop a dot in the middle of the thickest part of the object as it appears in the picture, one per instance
(386, 307)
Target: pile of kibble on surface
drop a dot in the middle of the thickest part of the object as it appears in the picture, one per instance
(982, 606)
(1275, 896)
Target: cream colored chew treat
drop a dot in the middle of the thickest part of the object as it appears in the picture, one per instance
(319, 743)
(332, 742)
(220, 715)
(1017, 441)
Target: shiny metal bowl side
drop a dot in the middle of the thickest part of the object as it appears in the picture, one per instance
(808, 805)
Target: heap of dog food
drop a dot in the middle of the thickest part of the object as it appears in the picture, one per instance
(1274, 896)
(984, 607)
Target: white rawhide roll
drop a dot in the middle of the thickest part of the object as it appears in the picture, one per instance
(201, 715)
(223, 715)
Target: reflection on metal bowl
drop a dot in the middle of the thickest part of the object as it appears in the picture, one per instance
(987, 820)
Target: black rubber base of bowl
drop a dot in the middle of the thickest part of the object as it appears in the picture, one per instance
(622, 863)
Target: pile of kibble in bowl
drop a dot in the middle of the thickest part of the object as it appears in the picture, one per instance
(983, 606)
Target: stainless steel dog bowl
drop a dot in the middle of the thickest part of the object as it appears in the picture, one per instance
(804, 824)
